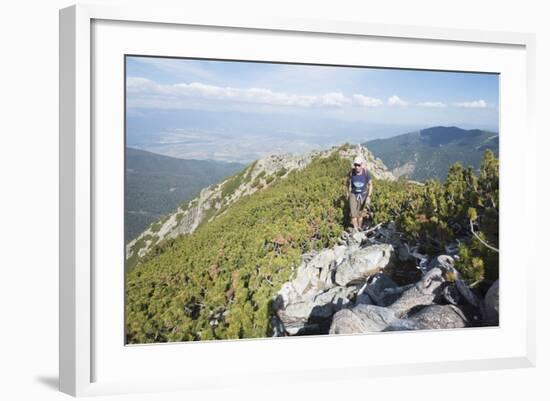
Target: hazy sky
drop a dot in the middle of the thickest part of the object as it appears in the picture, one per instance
(364, 95)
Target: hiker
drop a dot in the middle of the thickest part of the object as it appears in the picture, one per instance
(358, 192)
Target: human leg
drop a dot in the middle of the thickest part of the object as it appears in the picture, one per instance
(362, 212)
(354, 211)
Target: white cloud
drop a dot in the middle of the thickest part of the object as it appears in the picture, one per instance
(334, 99)
(432, 104)
(147, 93)
(474, 104)
(365, 101)
(152, 90)
(396, 101)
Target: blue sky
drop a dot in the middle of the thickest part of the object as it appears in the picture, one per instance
(369, 97)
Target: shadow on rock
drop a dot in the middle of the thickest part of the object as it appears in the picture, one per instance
(363, 285)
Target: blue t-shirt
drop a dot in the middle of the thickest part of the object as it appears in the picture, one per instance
(360, 181)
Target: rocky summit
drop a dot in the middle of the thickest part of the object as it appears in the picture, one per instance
(372, 282)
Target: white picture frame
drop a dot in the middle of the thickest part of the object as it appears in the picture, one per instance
(87, 366)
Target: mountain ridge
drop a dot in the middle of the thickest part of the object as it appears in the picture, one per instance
(214, 199)
(156, 184)
(428, 153)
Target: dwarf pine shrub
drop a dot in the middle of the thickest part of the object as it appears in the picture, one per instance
(218, 282)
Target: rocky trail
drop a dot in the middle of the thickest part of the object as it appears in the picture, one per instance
(373, 281)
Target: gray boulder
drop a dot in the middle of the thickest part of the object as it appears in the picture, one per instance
(314, 275)
(382, 289)
(422, 293)
(438, 317)
(489, 309)
(330, 301)
(350, 288)
(450, 294)
(363, 299)
(362, 263)
(312, 309)
(347, 322)
(446, 264)
(361, 319)
(401, 324)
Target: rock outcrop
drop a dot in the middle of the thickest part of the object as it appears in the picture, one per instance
(439, 317)
(364, 285)
(318, 291)
(362, 319)
(362, 263)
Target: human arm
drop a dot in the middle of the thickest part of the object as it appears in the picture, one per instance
(369, 190)
(348, 187)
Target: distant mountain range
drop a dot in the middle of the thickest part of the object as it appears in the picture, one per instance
(157, 184)
(428, 153)
(198, 134)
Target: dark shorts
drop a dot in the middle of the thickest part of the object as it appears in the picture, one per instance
(356, 206)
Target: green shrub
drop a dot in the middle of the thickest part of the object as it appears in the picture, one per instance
(233, 182)
(435, 214)
(172, 294)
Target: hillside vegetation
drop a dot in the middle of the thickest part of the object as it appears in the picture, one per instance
(219, 281)
(216, 199)
(158, 184)
(436, 215)
(430, 152)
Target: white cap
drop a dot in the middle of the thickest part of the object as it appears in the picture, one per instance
(358, 160)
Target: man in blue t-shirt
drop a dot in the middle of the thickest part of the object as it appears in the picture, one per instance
(358, 192)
